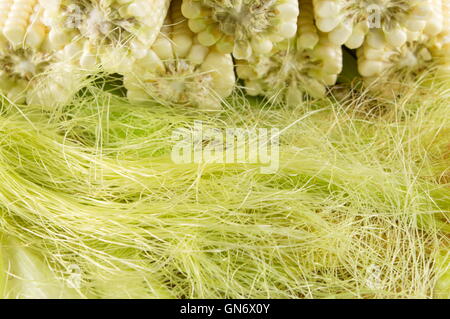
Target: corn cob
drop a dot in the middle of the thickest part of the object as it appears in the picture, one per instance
(179, 69)
(382, 64)
(108, 28)
(376, 56)
(348, 21)
(26, 57)
(306, 64)
(242, 27)
(380, 60)
(38, 77)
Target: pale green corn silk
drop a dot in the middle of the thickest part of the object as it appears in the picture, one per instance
(358, 209)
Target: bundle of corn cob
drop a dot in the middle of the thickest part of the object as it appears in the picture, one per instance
(348, 21)
(28, 56)
(243, 27)
(112, 32)
(181, 70)
(280, 52)
(305, 64)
